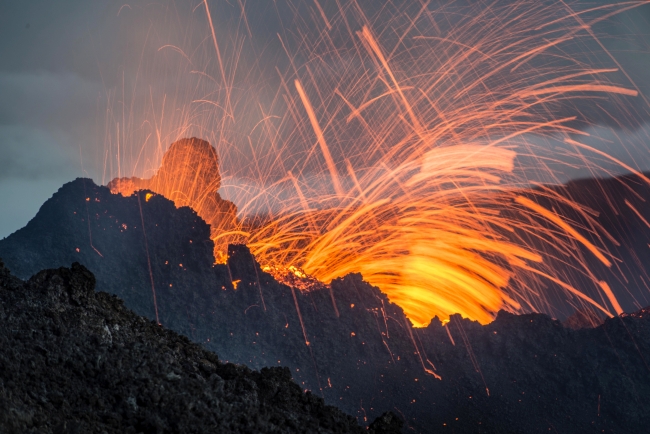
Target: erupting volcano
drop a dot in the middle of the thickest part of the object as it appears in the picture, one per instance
(423, 207)
(456, 243)
(427, 163)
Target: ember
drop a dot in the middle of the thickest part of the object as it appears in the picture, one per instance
(417, 161)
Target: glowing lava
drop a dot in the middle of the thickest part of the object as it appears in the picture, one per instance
(418, 147)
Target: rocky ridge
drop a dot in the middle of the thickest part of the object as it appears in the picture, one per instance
(76, 361)
(189, 176)
(346, 342)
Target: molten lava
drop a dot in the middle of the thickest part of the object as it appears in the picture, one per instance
(413, 156)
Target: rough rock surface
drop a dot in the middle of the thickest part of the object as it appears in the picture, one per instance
(519, 374)
(73, 360)
(582, 319)
(189, 176)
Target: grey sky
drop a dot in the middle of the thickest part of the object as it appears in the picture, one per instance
(63, 63)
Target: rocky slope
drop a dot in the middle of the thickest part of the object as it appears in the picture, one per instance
(77, 361)
(346, 343)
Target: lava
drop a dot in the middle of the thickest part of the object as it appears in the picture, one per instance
(417, 160)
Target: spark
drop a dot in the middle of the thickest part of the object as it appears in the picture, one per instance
(406, 156)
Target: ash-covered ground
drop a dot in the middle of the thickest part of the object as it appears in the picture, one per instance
(77, 361)
(519, 374)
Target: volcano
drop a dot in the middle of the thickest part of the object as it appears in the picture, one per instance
(345, 342)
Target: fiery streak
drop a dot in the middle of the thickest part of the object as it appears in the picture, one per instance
(321, 139)
(146, 245)
(417, 351)
(564, 226)
(638, 214)
(425, 136)
(610, 295)
(302, 324)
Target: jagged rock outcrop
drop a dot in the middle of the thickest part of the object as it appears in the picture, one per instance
(189, 176)
(583, 319)
(345, 342)
(73, 360)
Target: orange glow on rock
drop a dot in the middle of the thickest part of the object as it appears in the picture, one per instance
(189, 176)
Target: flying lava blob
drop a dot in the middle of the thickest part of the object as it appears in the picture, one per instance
(407, 156)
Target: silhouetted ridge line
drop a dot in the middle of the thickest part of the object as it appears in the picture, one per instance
(537, 371)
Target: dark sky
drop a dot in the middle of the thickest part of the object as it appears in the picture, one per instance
(62, 64)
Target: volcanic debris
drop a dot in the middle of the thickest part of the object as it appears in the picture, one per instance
(73, 360)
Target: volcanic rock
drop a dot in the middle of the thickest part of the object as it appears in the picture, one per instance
(189, 176)
(77, 361)
(582, 319)
(345, 342)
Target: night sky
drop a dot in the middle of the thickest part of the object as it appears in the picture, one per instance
(63, 63)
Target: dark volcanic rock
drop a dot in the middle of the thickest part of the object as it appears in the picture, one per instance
(73, 360)
(86, 223)
(583, 319)
(189, 176)
(347, 343)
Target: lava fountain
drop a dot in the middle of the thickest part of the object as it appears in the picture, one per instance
(411, 161)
